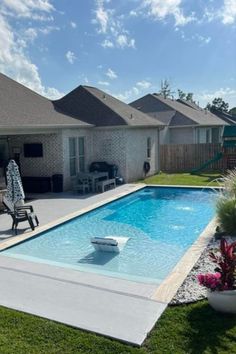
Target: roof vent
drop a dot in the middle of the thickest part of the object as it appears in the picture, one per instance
(131, 116)
(104, 96)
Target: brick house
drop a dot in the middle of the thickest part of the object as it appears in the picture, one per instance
(185, 122)
(84, 126)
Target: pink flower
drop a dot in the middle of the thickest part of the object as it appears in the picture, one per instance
(210, 280)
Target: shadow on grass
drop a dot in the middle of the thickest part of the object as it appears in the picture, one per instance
(208, 177)
(210, 331)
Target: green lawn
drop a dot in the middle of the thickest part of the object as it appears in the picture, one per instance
(203, 179)
(188, 329)
(192, 329)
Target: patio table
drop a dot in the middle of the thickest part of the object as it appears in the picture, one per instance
(93, 177)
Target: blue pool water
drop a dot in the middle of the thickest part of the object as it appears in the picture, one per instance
(162, 224)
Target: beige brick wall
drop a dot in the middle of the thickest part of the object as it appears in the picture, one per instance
(127, 148)
(51, 162)
(110, 145)
(137, 152)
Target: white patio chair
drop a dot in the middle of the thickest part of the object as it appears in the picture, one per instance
(82, 185)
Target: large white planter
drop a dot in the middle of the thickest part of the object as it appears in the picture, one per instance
(223, 301)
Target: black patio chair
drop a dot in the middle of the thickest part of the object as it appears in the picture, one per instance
(20, 214)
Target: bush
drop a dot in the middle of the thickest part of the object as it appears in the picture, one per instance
(226, 213)
(229, 181)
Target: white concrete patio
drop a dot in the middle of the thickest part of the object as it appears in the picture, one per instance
(113, 307)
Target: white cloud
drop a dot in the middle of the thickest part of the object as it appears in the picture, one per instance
(107, 44)
(123, 41)
(141, 87)
(102, 16)
(30, 34)
(202, 39)
(71, 57)
(27, 8)
(222, 92)
(228, 13)
(111, 74)
(226, 93)
(160, 10)
(49, 29)
(111, 25)
(144, 84)
(104, 83)
(128, 95)
(73, 24)
(14, 61)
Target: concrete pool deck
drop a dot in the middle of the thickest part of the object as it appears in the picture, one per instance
(117, 308)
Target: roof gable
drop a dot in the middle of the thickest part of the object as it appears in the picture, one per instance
(161, 105)
(22, 107)
(101, 109)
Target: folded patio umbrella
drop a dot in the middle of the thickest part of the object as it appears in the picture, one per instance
(15, 193)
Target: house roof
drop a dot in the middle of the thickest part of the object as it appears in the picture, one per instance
(174, 113)
(189, 104)
(229, 118)
(85, 106)
(101, 109)
(22, 107)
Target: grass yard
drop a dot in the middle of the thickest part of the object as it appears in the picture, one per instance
(194, 329)
(203, 179)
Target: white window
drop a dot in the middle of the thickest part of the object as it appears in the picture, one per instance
(72, 156)
(208, 135)
(77, 155)
(149, 147)
(203, 135)
(81, 154)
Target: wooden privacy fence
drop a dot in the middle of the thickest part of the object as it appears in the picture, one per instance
(185, 157)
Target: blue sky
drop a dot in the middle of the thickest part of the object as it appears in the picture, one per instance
(125, 47)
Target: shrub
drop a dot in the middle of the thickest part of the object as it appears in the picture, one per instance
(229, 182)
(225, 276)
(226, 213)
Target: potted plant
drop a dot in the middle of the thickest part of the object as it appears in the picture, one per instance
(221, 285)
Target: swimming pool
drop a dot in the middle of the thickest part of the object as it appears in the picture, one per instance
(161, 223)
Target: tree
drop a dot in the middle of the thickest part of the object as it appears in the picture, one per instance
(185, 96)
(189, 97)
(165, 90)
(218, 104)
(182, 94)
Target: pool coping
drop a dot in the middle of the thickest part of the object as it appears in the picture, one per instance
(168, 288)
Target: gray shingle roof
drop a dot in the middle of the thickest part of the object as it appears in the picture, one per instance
(22, 107)
(83, 107)
(189, 104)
(174, 113)
(101, 109)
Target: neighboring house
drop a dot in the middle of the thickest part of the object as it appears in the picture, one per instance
(186, 123)
(84, 126)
